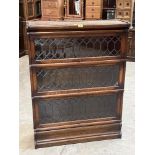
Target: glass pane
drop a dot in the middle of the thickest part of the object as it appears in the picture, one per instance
(77, 108)
(74, 7)
(38, 8)
(77, 78)
(111, 3)
(110, 14)
(61, 48)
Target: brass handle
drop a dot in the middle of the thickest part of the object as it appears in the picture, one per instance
(92, 9)
(92, 3)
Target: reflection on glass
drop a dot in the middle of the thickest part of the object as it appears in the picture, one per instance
(37, 8)
(74, 7)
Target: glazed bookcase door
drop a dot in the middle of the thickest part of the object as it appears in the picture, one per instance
(81, 115)
(74, 9)
(77, 108)
(37, 6)
(30, 9)
(91, 76)
(47, 50)
(82, 107)
(109, 9)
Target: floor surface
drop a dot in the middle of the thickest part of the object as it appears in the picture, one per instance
(123, 146)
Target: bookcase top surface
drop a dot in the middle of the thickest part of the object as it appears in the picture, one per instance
(83, 24)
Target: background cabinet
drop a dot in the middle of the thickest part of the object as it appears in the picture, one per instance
(94, 9)
(21, 38)
(120, 9)
(131, 43)
(28, 9)
(74, 9)
(52, 9)
(109, 9)
(123, 9)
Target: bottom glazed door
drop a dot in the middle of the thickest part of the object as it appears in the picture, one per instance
(77, 108)
(78, 117)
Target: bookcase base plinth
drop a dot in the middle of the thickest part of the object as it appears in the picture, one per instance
(77, 135)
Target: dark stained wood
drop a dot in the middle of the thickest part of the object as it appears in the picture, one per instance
(131, 45)
(77, 59)
(53, 134)
(124, 43)
(77, 64)
(83, 130)
(22, 42)
(76, 93)
(61, 34)
(120, 105)
(122, 75)
(44, 26)
(77, 123)
(31, 51)
(35, 115)
(80, 139)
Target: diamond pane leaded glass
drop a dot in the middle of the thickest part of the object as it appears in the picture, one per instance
(60, 48)
(77, 78)
(77, 108)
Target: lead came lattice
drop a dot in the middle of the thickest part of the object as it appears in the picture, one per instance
(60, 48)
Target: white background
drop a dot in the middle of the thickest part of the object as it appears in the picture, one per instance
(145, 77)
